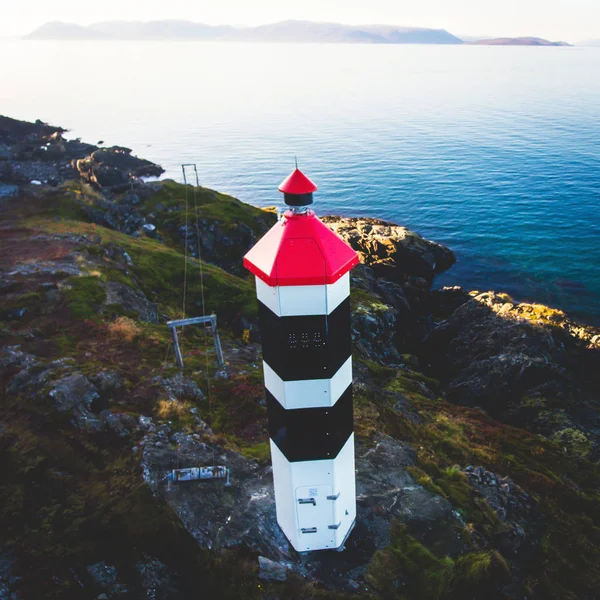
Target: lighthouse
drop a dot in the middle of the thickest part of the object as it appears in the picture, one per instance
(302, 272)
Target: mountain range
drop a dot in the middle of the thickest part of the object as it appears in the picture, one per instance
(285, 31)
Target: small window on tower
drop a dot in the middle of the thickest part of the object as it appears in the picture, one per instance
(292, 341)
(305, 339)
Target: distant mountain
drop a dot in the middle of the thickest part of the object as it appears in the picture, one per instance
(520, 41)
(285, 31)
(137, 30)
(309, 31)
(64, 31)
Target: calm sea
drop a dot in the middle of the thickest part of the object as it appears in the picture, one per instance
(492, 151)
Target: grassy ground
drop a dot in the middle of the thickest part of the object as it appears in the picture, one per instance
(68, 498)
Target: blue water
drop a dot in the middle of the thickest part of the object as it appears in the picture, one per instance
(494, 151)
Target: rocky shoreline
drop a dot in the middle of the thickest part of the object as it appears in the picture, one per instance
(477, 418)
(38, 154)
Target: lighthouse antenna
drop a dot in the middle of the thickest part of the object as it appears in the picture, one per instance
(296, 160)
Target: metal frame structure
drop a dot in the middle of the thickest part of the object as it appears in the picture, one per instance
(211, 319)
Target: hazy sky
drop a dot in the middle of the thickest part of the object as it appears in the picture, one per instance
(570, 20)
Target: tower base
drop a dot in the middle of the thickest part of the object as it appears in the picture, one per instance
(315, 500)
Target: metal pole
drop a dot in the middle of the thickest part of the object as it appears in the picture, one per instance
(218, 348)
(176, 345)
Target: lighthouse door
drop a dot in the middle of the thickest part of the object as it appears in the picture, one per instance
(315, 516)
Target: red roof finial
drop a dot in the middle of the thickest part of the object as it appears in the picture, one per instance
(297, 183)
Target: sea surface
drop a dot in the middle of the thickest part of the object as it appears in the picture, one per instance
(493, 151)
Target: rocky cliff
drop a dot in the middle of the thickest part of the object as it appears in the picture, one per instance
(476, 416)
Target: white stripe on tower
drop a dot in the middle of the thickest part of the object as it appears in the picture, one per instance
(309, 393)
(298, 300)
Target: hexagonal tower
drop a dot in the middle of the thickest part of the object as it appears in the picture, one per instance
(302, 272)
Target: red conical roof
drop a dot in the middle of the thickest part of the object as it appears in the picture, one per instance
(297, 183)
(300, 250)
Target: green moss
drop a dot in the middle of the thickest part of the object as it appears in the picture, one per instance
(379, 373)
(478, 570)
(261, 451)
(30, 298)
(573, 441)
(211, 204)
(430, 382)
(112, 311)
(66, 344)
(404, 385)
(63, 205)
(534, 402)
(160, 271)
(366, 416)
(167, 208)
(407, 564)
(362, 300)
(117, 276)
(85, 296)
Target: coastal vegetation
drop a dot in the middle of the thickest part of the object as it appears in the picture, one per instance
(475, 415)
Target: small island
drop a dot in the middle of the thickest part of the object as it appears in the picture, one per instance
(517, 41)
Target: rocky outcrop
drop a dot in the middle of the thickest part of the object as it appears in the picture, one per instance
(130, 300)
(114, 168)
(73, 391)
(39, 152)
(524, 363)
(392, 251)
(270, 570)
(517, 511)
(222, 517)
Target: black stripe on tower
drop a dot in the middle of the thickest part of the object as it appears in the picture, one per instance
(311, 433)
(306, 347)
